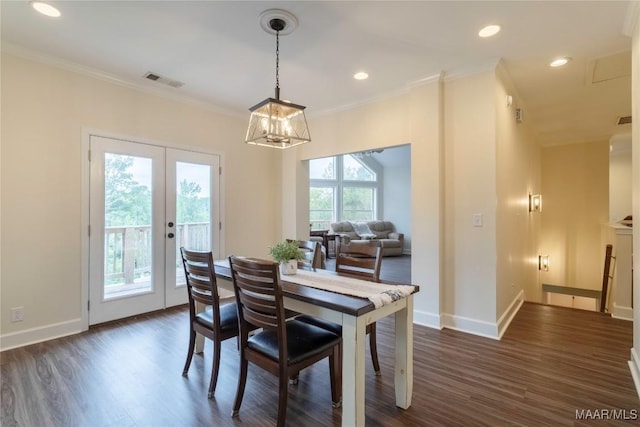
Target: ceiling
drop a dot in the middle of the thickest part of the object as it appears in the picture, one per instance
(226, 61)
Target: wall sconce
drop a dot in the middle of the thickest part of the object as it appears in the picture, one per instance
(535, 203)
(543, 262)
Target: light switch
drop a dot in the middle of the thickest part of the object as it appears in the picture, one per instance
(477, 219)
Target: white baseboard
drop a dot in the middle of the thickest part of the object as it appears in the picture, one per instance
(36, 335)
(471, 326)
(481, 327)
(621, 312)
(431, 320)
(634, 367)
(505, 320)
(424, 318)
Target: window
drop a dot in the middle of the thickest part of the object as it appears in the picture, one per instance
(358, 203)
(343, 188)
(322, 207)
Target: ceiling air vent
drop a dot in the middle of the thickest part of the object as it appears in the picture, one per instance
(624, 120)
(163, 80)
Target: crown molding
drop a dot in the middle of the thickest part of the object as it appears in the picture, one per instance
(472, 69)
(39, 57)
(357, 104)
(381, 97)
(426, 80)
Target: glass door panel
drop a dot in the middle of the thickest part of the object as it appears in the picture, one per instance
(126, 249)
(128, 240)
(192, 188)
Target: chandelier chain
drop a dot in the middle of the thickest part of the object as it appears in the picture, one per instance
(278, 59)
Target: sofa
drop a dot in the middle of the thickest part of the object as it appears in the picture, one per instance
(383, 232)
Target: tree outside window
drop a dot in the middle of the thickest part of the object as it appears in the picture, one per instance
(341, 188)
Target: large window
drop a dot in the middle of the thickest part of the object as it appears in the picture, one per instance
(342, 188)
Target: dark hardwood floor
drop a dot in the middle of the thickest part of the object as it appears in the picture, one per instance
(551, 362)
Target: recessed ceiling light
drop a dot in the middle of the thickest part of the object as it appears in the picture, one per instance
(45, 9)
(559, 62)
(489, 30)
(361, 75)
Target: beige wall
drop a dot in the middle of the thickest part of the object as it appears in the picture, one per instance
(454, 128)
(575, 204)
(409, 118)
(44, 110)
(518, 175)
(470, 188)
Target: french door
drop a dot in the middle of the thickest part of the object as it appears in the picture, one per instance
(146, 201)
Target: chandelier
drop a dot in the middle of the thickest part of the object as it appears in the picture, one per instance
(273, 122)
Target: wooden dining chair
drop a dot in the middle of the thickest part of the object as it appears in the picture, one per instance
(283, 347)
(216, 322)
(312, 255)
(362, 261)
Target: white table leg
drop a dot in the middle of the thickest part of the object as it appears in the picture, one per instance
(353, 338)
(404, 355)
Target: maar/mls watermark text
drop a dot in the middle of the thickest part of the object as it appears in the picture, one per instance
(607, 414)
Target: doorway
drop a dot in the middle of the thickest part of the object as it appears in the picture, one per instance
(145, 202)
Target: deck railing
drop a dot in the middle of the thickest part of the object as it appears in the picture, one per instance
(128, 250)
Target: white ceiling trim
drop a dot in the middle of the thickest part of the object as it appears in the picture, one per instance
(390, 94)
(354, 105)
(471, 70)
(426, 80)
(161, 92)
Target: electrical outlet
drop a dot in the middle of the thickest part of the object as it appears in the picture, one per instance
(17, 314)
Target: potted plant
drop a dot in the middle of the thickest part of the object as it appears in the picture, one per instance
(287, 254)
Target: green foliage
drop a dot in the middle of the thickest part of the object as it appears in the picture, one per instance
(357, 203)
(190, 206)
(284, 251)
(127, 202)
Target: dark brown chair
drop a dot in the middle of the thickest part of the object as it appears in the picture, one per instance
(312, 255)
(282, 347)
(217, 322)
(362, 261)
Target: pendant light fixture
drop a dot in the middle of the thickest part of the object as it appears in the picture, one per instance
(273, 122)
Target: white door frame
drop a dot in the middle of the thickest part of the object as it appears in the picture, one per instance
(85, 190)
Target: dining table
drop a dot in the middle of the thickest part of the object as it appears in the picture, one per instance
(354, 313)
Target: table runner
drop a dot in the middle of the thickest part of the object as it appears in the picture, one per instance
(378, 293)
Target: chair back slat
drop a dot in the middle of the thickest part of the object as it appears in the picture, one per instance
(259, 298)
(200, 277)
(312, 252)
(258, 294)
(360, 260)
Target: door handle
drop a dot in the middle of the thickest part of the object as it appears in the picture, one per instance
(171, 235)
(170, 224)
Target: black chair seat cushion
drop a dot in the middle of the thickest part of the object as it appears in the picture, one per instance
(228, 317)
(324, 324)
(303, 341)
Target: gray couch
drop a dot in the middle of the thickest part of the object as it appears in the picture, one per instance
(383, 232)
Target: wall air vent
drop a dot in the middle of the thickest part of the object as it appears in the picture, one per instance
(163, 80)
(624, 120)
